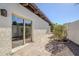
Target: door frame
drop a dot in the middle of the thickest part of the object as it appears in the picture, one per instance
(24, 18)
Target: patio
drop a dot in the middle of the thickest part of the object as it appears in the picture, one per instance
(34, 49)
(38, 49)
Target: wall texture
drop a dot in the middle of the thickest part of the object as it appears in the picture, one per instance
(73, 31)
(39, 26)
(5, 32)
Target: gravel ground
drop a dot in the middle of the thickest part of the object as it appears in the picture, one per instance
(74, 48)
(67, 49)
(58, 49)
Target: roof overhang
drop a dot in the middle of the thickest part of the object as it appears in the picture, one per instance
(33, 8)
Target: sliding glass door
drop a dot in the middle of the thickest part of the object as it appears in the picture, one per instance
(17, 31)
(21, 31)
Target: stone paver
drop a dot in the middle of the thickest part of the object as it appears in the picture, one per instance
(38, 49)
(34, 49)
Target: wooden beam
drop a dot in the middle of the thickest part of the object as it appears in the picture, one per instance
(32, 7)
(25, 4)
(36, 12)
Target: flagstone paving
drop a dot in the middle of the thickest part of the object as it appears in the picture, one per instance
(35, 50)
(38, 49)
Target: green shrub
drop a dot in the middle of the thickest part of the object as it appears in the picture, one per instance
(59, 32)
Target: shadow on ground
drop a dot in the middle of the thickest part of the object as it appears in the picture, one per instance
(54, 47)
(57, 47)
(73, 47)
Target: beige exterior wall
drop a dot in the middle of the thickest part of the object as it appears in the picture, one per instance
(39, 26)
(5, 32)
(73, 31)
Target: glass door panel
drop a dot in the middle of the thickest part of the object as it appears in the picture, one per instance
(28, 31)
(17, 31)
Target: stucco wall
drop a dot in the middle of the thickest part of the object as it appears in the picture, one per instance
(5, 32)
(73, 31)
(39, 26)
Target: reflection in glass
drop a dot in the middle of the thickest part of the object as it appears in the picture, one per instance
(21, 31)
(17, 31)
(28, 31)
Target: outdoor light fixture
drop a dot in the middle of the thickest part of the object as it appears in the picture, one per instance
(3, 12)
